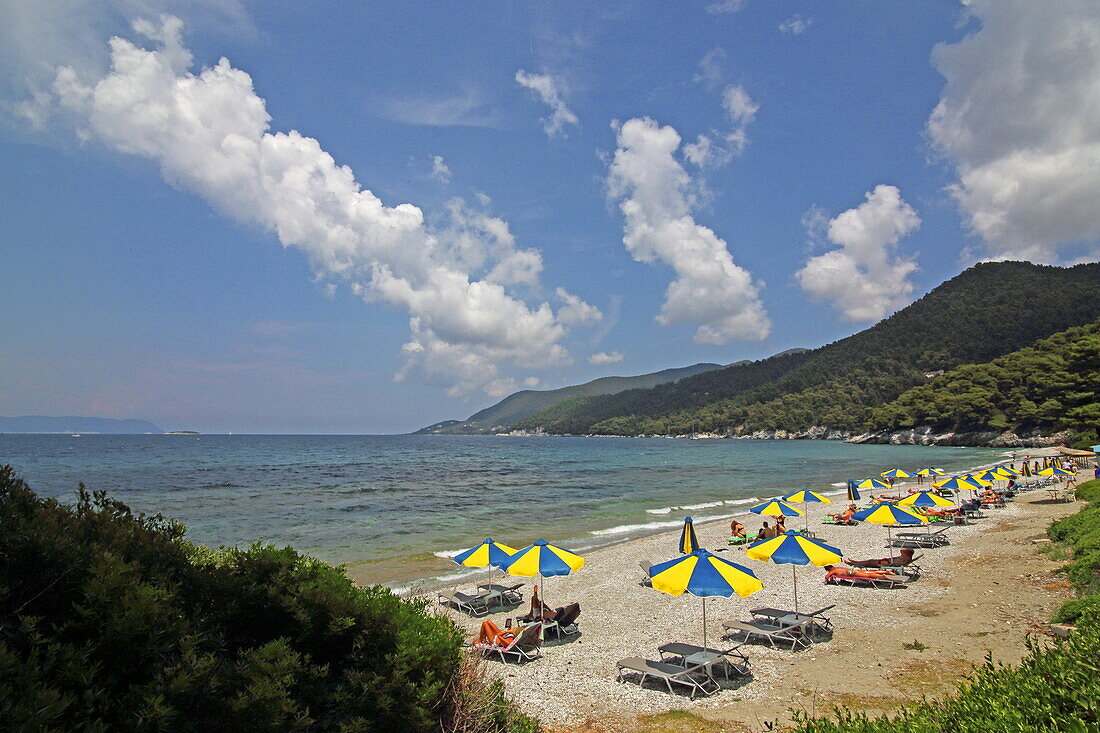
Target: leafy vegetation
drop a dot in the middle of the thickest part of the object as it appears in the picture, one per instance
(1050, 386)
(111, 621)
(1055, 688)
(990, 310)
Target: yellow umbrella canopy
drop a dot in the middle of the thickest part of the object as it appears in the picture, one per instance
(925, 498)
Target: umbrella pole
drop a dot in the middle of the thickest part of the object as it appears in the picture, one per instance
(794, 577)
(704, 623)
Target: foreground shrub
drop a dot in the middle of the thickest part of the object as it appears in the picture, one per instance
(111, 621)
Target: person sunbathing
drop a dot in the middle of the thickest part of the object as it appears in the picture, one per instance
(780, 525)
(494, 635)
(538, 609)
(905, 558)
(839, 571)
(845, 517)
(737, 529)
(929, 511)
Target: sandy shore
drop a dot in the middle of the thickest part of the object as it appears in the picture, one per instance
(977, 595)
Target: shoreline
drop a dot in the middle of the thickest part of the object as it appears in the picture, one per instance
(573, 686)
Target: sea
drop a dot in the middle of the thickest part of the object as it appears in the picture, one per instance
(394, 509)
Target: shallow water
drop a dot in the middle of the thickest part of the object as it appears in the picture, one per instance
(385, 505)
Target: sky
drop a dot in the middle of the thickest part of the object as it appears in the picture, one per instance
(334, 217)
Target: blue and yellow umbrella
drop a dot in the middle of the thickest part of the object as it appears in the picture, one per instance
(957, 483)
(929, 471)
(794, 549)
(776, 508)
(807, 497)
(889, 514)
(1006, 471)
(488, 554)
(544, 560)
(871, 483)
(1054, 471)
(704, 575)
(689, 543)
(896, 473)
(925, 497)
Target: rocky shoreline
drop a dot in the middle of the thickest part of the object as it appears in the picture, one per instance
(923, 435)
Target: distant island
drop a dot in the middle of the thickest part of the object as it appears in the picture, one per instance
(73, 424)
(183, 432)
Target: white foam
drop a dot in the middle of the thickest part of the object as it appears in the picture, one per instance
(840, 484)
(704, 505)
(739, 502)
(625, 528)
(448, 554)
(663, 510)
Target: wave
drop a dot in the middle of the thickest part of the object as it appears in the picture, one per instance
(840, 484)
(704, 505)
(739, 502)
(448, 554)
(624, 528)
(662, 510)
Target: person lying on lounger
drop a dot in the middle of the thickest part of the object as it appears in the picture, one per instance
(737, 529)
(905, 558)
(493, 634)
(538, 609)
(929, 511)
(845, 517)
(839, 571)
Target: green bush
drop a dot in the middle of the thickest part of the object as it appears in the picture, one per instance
(1089, 491)
(1072, 611)
(112, 621)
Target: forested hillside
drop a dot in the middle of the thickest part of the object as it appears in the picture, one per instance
(989, 310)
(1051, 386)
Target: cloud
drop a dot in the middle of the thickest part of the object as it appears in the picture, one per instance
(604, 357)
(715, 149)
(864, 279)
(725, 6)
(657, 197)
(796, 25)
(440, 171)
(210, 133)
(549, 90)
(1019, 119)
(466, 107)
(576, 310)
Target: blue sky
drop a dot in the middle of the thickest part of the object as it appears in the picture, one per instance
(537, 181)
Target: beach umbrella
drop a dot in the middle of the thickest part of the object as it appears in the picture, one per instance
(488, 554)
(704, 575)
(794, 549)
(1006, 471)
(1027, 469)
(1055, 471)
(807, 497)
(776, 508)
(889, 514)
(544, 560)
(853, 492)
(871, 483)
(925, 497)
(957, 483)
(689, 543)
(896, 473)
(930, 471)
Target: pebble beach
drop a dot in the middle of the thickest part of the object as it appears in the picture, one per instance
(981, 593)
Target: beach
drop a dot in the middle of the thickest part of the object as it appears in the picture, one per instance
(979, 595)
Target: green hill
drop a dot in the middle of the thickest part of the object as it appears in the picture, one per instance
(519, 405)
(989, 310)
(1051, 386)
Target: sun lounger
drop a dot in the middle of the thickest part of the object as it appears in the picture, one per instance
(742, 540)
(910, 570)
(506, 594)
(833, 521)
(890, 581)
(730, 659)
(816, 618)
(773, 633)
(564, 623)
(693, 677)
(923, 540)
(527, 645)
(475, 605)
(645, 565)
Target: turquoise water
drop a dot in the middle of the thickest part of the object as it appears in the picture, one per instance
(385, 505)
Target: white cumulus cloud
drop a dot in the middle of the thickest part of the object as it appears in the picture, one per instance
(717, 148)
(657, 198)
(865, 279)
(549, 90)
(725, 6)
(606, 357)
(211, 134)
(1019, 117)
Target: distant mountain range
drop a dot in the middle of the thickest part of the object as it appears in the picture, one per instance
(43, 424)
(989, 310)
(519, 405)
